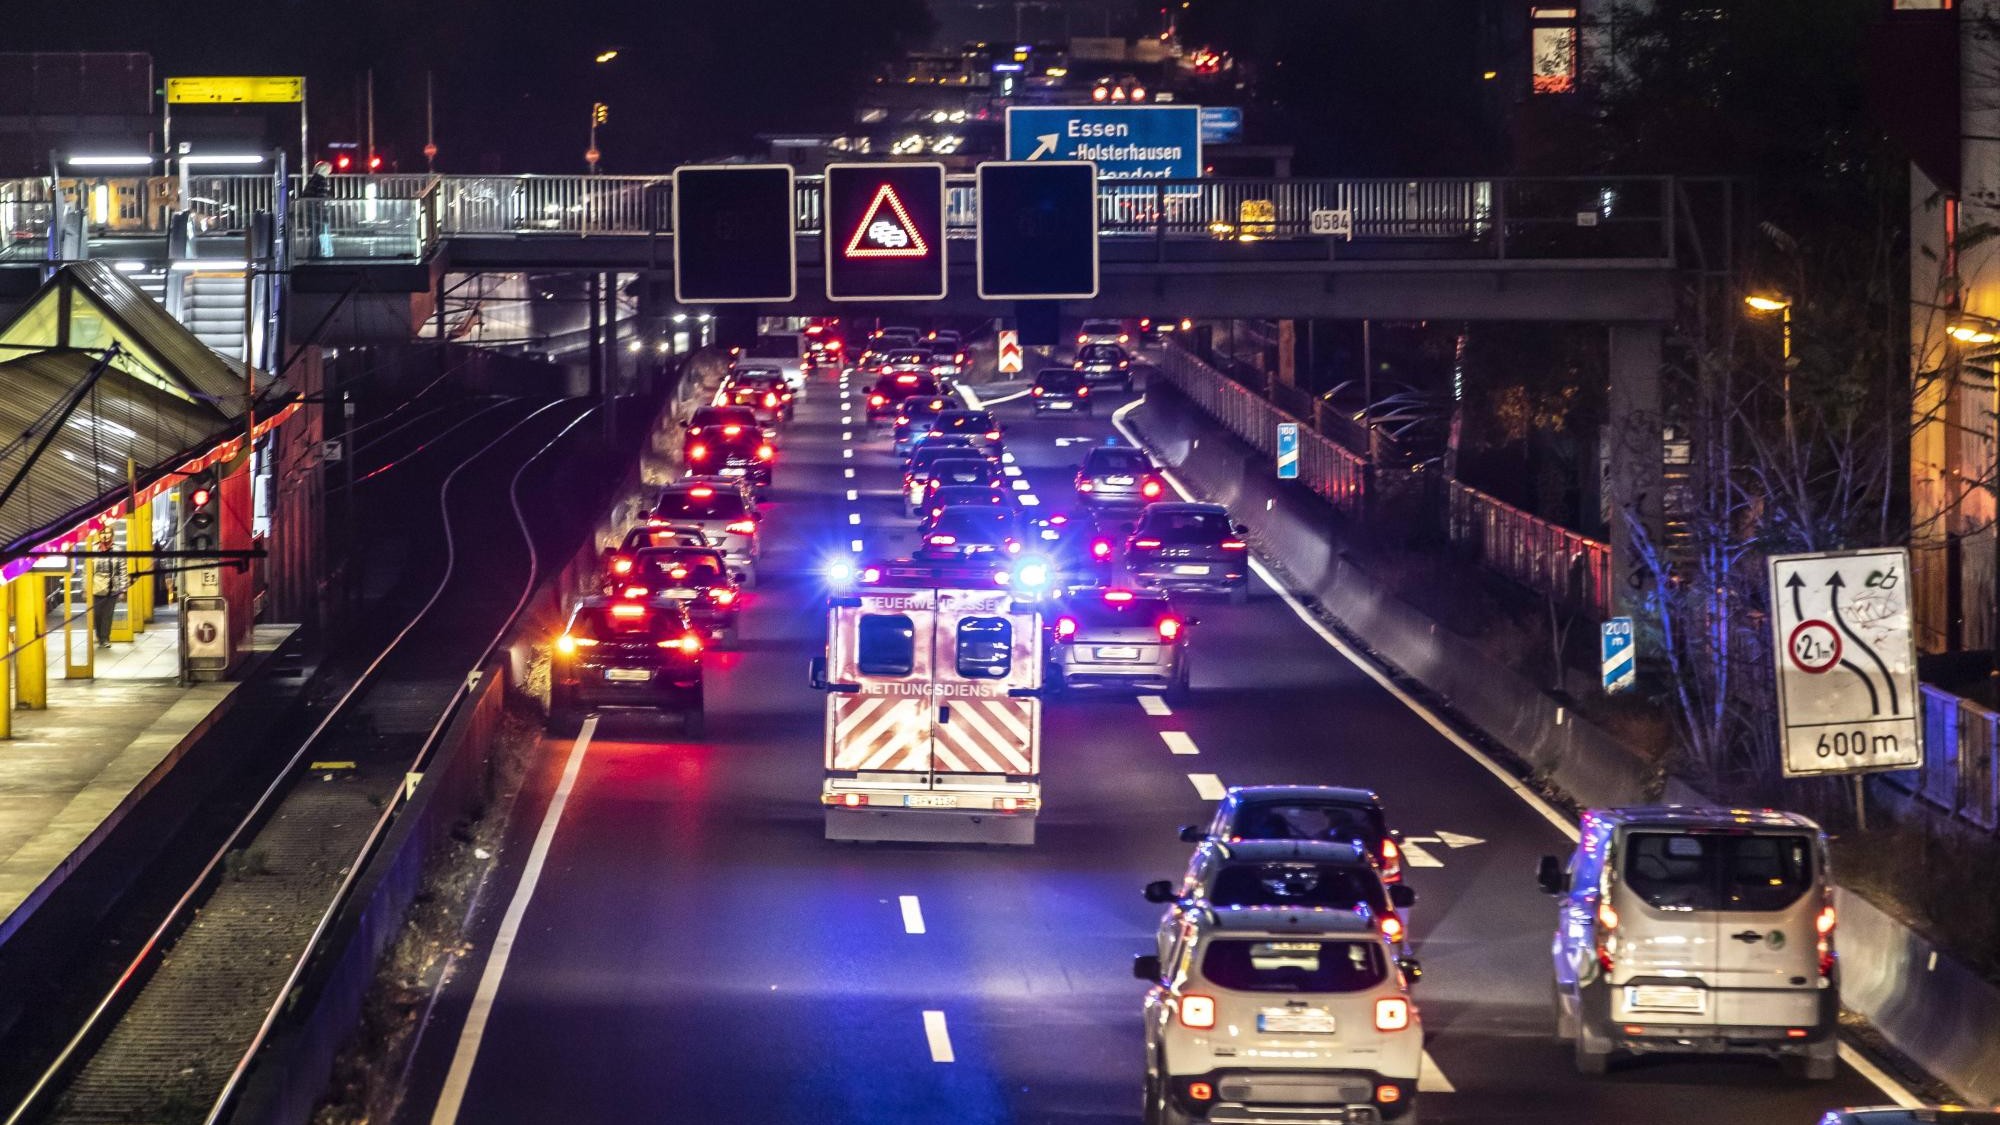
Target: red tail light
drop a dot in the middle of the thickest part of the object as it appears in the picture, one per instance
(1235, 545)
(876, 400)
(1151, 489)
(722, 597)
(1392, 926)
(634, 592)
(1392, 1013)
(1607, 925)
(621, 564)
(1082, 338)
(854, 800)
(1083, 392)
(1201, 1091)
(1085, 486)
(688, 643)
(993, 435)
(961, 357)
(1825, 925)
(697, 452)
(765, 452)
(1147, 544)
(741, 527)
(1198, 1012)
(1100, 549)
(1170, 628)
(1034, 392)
(770, 398)
(1065, 628)
(833, 345)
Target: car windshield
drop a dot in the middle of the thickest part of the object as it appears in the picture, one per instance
(1718, 871)
(1248, 965)
(1116, 461)
(1101, 353)
(722, 415)
(1294, 883)
(700, 503)
(962, 470)
(1183, 526)
(1307, 820)
(641, 538)
(774, 347)
(625, 620)
(1137, 613)
(681, 568)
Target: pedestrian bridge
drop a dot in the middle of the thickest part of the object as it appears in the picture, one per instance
(1595, 249)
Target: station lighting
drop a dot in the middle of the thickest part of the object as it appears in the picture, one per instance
(228, 159)
(1967, 331)
(607, 56)
(110, 160)
(1764, 303)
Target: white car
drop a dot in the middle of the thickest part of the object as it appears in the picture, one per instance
(1280, 1014)
(1102, 332)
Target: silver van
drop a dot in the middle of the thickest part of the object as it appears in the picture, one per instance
(1699, 931)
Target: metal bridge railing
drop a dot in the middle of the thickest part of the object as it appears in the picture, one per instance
(1960, 776)
(1545, 557)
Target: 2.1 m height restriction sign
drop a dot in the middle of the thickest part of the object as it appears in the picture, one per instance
(1847, 667)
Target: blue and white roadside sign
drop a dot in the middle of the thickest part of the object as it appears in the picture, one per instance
(1221, 123)
(1127, 142)
(1615, 644)
(1288, 451)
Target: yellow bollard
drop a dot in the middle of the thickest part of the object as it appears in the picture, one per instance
(7, 673)
(139, 537)
(30, 596)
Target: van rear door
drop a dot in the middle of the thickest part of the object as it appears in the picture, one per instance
(879, 662)
(1664, 950)
(987, 657)
(1767, 952)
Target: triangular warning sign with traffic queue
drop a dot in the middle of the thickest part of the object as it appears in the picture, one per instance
(889, 234)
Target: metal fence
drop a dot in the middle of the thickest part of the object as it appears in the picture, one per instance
(1545, 557)
(1325, 467)
(1961, 743)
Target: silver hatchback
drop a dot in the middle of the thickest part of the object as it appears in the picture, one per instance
(1118, 638)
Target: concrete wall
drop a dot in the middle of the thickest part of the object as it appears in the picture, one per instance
(1926, 1003)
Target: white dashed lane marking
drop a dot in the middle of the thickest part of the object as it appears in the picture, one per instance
(938, 1036)
(1208, 786)
(853, 494)
(913, 915)
(1178, 742)
(1154, 705)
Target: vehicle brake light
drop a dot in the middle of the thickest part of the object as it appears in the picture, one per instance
(1117, 595)
(1085, 486)
(688, 643)
(1170, 628)
(1388, 1094)
(620, 564)
(701, 492)
(833, 345)
(634, 592)
(1083, 392)
(697, 452)
(1124, 339)
(1198, 1012)
(1607, 919)
(1200, 1091)
(1008, 804)
(628, 611)
(770, 398)
(942, 540)
(1034, 392)
(741, 527)
(1065, 628)
(1101, 549)
(993, 435)
(876, 400)
(906, 380)
(1151, 489)
(1824, 923)
(1392, 1013)
(1607, 916)
(854, 800)
(1147, 544)
(765, 452)
(731, 431)
(722, 597)
(1234, 545)
(1392, 926)
(961, 357)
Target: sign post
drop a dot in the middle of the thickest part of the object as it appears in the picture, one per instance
(884, 229)
(1847, 666)
(1614, 647)
(733, 237)
(1144, 142)
(1288, 451)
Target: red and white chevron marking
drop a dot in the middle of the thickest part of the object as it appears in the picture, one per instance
(986, 736)
(983, 736)
(872, 732)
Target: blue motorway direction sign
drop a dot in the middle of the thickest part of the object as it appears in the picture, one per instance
(1288, 451)
(1221, 123)
(1129, 142)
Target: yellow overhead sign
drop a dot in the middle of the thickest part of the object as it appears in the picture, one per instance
(235, 91)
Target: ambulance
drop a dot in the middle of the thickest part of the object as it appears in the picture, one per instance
(933, 675)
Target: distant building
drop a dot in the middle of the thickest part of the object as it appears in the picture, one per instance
(70, 102)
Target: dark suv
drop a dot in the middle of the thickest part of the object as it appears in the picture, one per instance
(1190, 547)
(731, 451)
(618, 652)
(1061, 390)
(1118, 476)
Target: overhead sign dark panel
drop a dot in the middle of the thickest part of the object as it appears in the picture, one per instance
(1037, 231)
(733, 234)
(884, 227)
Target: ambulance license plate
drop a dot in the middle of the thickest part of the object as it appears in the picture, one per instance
(930, 801)
(1185, 568)
(628, 675)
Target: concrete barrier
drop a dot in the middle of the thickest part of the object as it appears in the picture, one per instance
(1925, 1002)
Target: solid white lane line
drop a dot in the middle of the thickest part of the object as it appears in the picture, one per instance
(971, 398)
(939, 1038)
(1532, 798)
(1178, 742)
(1154, 705)
(913, 915)
(1431, 1079)
(1864, 1066)
(853, 494)
(1208, 786)
(460, 1074)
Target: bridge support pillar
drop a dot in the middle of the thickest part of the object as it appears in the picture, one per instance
(1633, 436)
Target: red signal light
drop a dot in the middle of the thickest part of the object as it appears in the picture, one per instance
(200, 497)
(342, 162)
(374, 164)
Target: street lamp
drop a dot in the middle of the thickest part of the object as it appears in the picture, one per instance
(1777, 303)
(606, 56)
(1971, 331)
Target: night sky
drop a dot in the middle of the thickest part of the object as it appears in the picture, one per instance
(515, 81)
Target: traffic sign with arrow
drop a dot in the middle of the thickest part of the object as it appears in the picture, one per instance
(1846, 663)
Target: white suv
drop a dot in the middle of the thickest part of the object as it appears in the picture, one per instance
(1266, 1014)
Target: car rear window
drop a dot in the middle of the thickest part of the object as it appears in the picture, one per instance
(629, 620)
(722, 415)
(1243, 965)
(1101, 353)
(717, 504)
(1185, 527)
(1717, 871)
(1307, 820)
(974, 521)
(1061, 378)
(640, 538)
(1294, 883)
(1117, 461)
(961, 471)
(1137, 613)
(966, 421)
(681, 568)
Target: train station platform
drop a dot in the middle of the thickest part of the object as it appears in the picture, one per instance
(73, 771)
